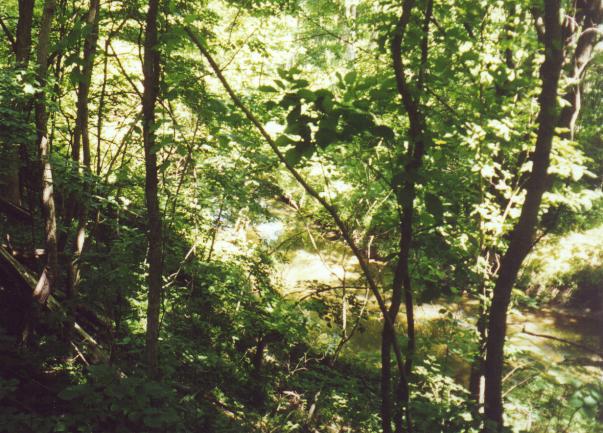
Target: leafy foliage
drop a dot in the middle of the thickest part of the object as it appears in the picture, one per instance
(276, 332)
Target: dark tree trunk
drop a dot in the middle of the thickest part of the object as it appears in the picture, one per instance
(81, 123)
(386, 379)
(521, 236)
(23, 33)
(48, 204)
(406, 194)
(476, 385)
(9, 180)
(81, 131)
(151, 89)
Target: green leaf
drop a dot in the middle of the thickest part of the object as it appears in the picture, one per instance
(307, 94)
(434, 206)
(293, 156)
(329, 122)
(298, 84)
(362, 104)
(350, 77)
(289, 100)
(71, 393)
(294, 115)
(326, 136)
(283, 140)
(358, 121)
(267, 89)
(282, 73)
(324, 100)
(384, 132)
(296, 154)
(295, 128)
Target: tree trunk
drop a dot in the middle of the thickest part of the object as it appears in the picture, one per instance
(151, 89)
(521, 236)
(590, 15)
(477, 367)
(23, 33)
(476, 376)
(81, 122)
(386, 380)
(81, 130)
(9, 180)
(48, 204)
(406, 194)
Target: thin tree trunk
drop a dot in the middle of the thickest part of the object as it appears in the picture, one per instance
(386, 381)
(81, 130)
(101, 107)
(521, 236)
(151, 66)
(48, 206)
(406, 194)
(477, 367)
(81, 123)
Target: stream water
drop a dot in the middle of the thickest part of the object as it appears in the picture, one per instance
(306, 270)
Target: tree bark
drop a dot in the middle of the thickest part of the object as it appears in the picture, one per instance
(521, 236)
(81, 122)
(23, 33)
(9, 178)
(81, 131)
(589, 15)
(406, 194)
(41, 114)
(477, 367)
(151, 65)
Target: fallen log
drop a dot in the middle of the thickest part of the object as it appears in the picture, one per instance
(563, 340)
(17, 271)
(15, 211)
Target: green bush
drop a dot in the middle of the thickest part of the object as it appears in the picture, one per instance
(110, 402)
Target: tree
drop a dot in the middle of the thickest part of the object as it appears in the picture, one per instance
(151, 70)
(9, 180)
(588, 16)
(409, 165)
(47, 185)
(363, 261)
(81, 134)
(523, 232)
(261, 168)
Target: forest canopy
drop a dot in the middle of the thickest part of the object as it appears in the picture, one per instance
(301, 216)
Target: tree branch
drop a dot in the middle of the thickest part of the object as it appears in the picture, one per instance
(424, 47)
(403, 88)
(9, 35)
(311, 191)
